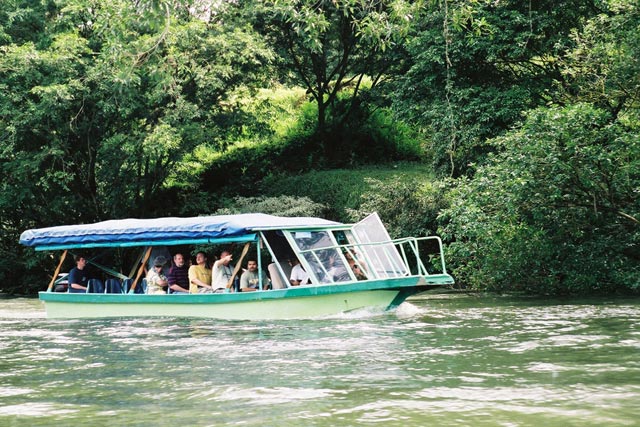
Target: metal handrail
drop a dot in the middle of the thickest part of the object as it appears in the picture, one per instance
(405, 247)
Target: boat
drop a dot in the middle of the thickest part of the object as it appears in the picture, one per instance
(331, 253)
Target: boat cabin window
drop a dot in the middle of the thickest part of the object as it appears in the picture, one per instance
(278, 267)
(326, 262)
(352, 252)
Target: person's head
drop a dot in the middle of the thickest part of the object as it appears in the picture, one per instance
(293, 261)
(178, 259)
(224, 256)
(252, 265)
(81, 261)
(159, 262)
(201, 258)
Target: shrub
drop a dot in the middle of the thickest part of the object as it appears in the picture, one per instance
(281, 205)
(363, 136)
(345, 191)
(556, 212)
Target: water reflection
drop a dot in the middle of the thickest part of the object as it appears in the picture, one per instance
(438, 360)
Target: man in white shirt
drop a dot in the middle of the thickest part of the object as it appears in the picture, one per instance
(221, 272)
(298, 275)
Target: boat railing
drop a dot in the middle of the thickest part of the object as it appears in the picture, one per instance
(379, 260)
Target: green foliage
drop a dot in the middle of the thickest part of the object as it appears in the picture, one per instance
(368, 137)
(332, 45)
(407, 207)
(556, 212)
(345, 191)
(104, 103)
(473, 67)
(602, 68)
(280, 205)
(161, 107)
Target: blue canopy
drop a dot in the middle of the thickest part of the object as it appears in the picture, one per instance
(164, 231)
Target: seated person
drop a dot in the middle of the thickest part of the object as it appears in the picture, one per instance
(250, 279)
(221, 272)
(298, 275)
(200, 275)
(78, 276)
(178, 276)
(355, 267)
(156, 280)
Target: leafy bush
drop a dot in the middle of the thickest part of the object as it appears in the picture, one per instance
(342, 190)
(281, 205)
(556, 212)
(364, 137)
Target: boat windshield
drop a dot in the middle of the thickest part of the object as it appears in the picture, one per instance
(383, 257)
(327, 265)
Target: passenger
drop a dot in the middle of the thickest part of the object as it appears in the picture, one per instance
(78, 277)
(156, 280)
(298, 275)
(157, 251)
(250, 279)
(178, 276)
(222, 271)
(200, 275)
(357, 271)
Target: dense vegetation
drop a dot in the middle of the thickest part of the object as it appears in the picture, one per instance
(509, 128)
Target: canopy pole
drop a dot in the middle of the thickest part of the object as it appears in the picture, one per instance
(259, 260)
(55, 275)
(141, 269)
(239, 264)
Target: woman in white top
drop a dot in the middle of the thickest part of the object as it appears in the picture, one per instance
(156, 280)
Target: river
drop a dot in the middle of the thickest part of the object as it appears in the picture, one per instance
(439, 360)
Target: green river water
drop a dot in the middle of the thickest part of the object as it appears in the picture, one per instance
(439, 360)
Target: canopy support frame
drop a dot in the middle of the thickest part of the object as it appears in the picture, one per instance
(141, 269)
(55, 274)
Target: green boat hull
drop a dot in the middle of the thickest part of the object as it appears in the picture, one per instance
(292, 303)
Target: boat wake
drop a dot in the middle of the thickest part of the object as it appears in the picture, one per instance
(360, 313)
(406, 310)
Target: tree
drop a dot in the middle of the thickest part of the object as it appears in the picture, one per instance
(602, 68)
(473, 67)
(332, 45)
(104, 102)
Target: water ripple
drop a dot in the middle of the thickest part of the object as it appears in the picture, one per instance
(443, 360)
